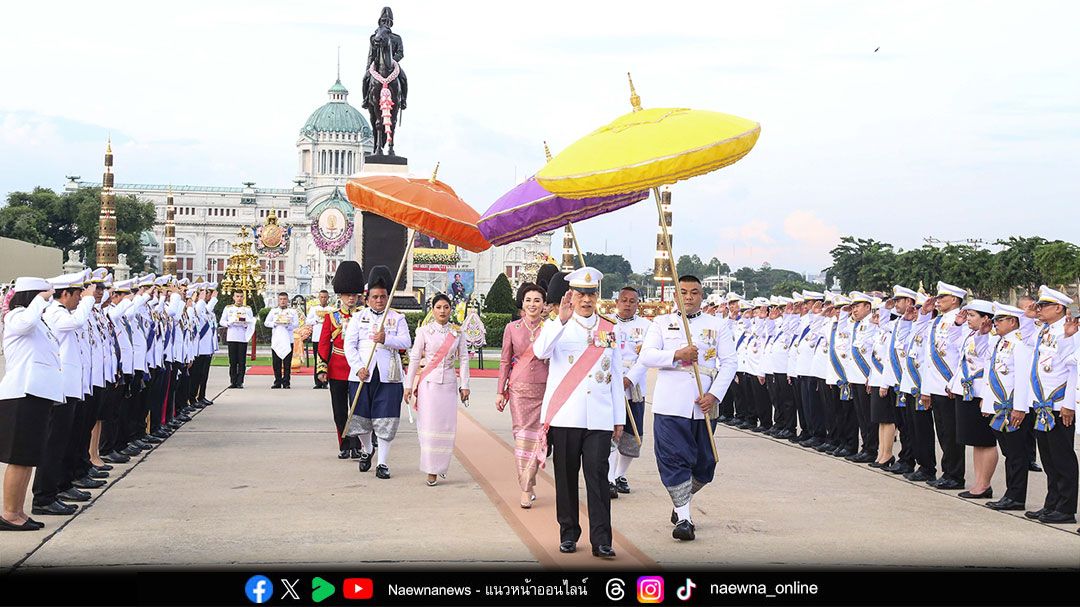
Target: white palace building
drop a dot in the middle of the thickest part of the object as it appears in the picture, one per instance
(330, 147)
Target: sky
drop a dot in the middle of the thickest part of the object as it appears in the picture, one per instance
(896, 121)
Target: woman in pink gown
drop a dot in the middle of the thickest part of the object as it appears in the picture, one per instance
(443, 381)
(522, 378)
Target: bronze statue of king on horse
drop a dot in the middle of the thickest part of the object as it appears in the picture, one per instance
(385, 86)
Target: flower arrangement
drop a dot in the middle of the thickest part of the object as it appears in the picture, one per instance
(331, 246)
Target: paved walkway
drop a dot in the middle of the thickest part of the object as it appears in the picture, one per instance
(255, 480)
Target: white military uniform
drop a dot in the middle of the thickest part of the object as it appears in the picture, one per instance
(630, 334)
(31, 352)
(282, 323)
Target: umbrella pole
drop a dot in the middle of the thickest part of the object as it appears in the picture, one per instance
(682, 314)
(573, 236)
(629, 413)
(382, 321)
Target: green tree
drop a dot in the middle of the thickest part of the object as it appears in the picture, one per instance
(862, 264)
(608, 264)
(69, 221)
(1058, 262)
(500, 299)
(968, 267)
(1014, 266)
(920, 266)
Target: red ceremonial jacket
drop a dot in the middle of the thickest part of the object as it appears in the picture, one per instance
(332, 344)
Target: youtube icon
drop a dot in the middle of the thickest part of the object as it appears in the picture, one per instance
(358, 588)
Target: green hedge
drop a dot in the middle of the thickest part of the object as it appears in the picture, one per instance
(494, 323)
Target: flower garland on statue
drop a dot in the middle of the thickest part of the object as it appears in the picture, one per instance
(331, 246)
(386, 99)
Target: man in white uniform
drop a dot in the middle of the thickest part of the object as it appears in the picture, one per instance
(282, 321)
(630, 332)
(583, 409)
(241, 323)
(315, 318)
(684, 453)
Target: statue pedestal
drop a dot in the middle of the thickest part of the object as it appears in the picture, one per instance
(381, 242)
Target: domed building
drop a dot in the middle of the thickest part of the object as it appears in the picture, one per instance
(330, 147)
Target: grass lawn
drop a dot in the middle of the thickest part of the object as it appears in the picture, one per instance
(491, 360)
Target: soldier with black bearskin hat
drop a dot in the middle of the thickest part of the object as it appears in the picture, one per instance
(332, 368)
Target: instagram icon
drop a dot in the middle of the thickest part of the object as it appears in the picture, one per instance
(650, 589)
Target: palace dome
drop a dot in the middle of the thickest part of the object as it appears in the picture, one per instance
(337, 116)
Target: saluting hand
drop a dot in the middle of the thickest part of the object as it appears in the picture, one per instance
(566, 308)
(1071, 326)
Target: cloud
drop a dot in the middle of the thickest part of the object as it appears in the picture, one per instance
(810, 230)
(755, 231)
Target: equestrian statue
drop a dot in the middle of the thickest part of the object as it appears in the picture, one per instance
(385, 86)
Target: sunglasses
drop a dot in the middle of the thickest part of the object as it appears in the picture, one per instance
(1002, 318)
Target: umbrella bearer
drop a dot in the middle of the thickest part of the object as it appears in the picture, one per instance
(684, 454)
(630, 332)
(376, 381)
(583, 408)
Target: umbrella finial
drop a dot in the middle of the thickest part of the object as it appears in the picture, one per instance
(635, 100)
(435, 173)
(547, 152)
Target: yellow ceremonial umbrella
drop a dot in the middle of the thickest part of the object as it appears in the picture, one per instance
(648, 149)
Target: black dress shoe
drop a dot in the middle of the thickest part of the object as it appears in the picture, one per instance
(287, 386)
(854, 457)
(197, 406)
(949, 484)
(140, 445)
(130, 451)
(613, 491)
(115, 458)
(789, 436)
(151, 440)
(34, 524)
(104, 467)
(684, 530)
(365, 461)
(824, 447)
(184, 417)
(206, 402)
(57, 508)
(758, 429)
(1057, 518)
(919, 476)
(74, 495)
(239, 386)
(93, 472)
(772, 431)
(621, 485)
(842, 453)
(275, 386)
(985, 495)
(345, 453)
(568, 547)
(1034, 466)
(354, 453)
(899, 468)
(810, 443)
(866, 458)
(1035, 514)
(1005, 503)
(603, 551)
(382, 471)
(745, 425)
(87, 483)
(8, 526)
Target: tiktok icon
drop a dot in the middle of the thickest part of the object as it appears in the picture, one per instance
(686, 590)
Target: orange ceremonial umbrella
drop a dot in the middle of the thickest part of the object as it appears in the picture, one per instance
(428, 206)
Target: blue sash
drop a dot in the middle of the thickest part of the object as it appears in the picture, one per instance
(204, 329)
(1043, 405)
(894, 358)
(856, 353)
(968, 380)
(845, 387)
(1003, 403)
(939, 362)
(741, 338)
(917, 389)
(800, 337)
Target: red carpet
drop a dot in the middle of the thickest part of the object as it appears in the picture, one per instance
(308, 371)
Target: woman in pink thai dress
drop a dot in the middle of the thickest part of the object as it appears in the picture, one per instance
(443, 382)
(522, 378)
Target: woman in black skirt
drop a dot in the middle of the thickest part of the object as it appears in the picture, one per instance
(27, 391)
(967, 388)
(883, 412)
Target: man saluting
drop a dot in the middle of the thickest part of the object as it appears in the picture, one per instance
(683, 451)
(583, 408)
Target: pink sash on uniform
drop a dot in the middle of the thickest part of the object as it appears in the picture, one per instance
(444, 349)
(569, 383)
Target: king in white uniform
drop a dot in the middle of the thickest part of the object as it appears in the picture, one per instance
(583, 408)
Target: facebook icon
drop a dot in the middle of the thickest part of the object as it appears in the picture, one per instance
(259, 589)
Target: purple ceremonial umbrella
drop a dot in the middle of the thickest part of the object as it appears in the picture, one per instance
(529, 209)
